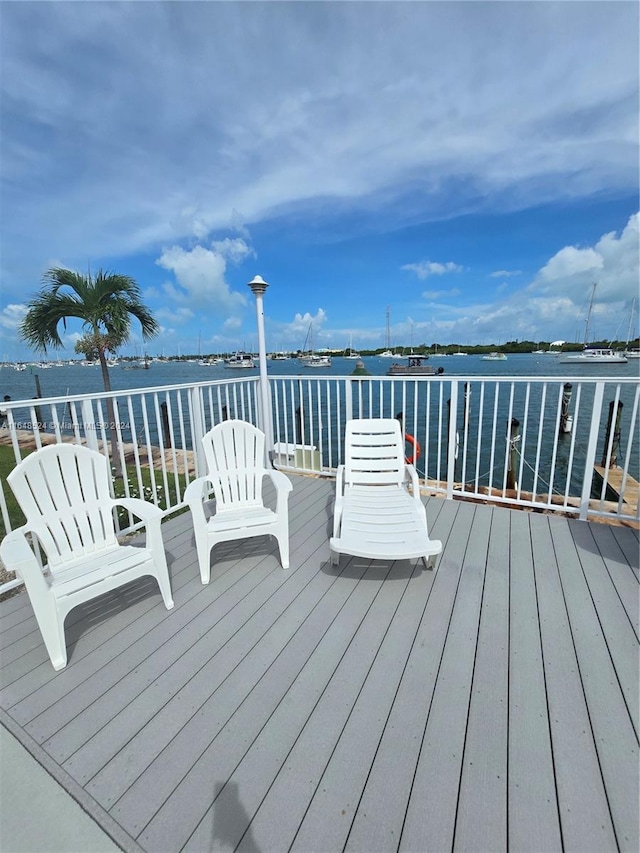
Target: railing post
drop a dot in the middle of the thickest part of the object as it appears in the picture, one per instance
(591, 451)
(452, 438)
(89, 426)
(197, 431)
(348, 399)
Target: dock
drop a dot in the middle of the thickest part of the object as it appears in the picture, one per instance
(613, 478)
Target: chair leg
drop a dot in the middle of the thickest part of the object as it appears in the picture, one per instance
(52, 630)
(429, 562)
(162, 576)
(335, 557)
(283, 545)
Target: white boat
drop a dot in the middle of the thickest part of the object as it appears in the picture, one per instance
(241, 361)
(632, 353)
(388, 354)
(317, 361)
(594, 355)
(494, 356)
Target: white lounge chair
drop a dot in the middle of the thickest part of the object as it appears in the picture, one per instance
(235, 456)
(376, 515)
(63, 490)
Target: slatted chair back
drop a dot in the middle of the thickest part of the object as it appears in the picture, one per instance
(234, 451)
(63, 490)
(374, 452)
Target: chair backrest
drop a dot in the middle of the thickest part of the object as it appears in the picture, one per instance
(63, 490)
(234, 451)
(374, 452)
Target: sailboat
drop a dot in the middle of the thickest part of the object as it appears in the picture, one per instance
(310, 358)
(593, 355)
(631, 353)
(350, 352)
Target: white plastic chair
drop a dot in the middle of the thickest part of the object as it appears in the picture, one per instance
(376, 515)
(235, 454)
(63, 490)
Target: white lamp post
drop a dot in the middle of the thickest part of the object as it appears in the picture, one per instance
(258, 286)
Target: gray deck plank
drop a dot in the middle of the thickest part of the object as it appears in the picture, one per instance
(268, 703)
(431, 812)
(215, 639)
(613, 732)
(620, 634)
(237, 662)
(619, 569)
(376, 828)
(298, 776)
(193, 795)
(582, 802)
(481, 822)
(333, 805)
(534, 822)
(163, 646)
(627, 540)
(252, 770)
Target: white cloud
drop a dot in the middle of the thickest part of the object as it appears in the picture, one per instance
(234, 250)
(613, 263)
(200, 274)
(12, 315)
(505, 273)
(570, 261)
(424, 269)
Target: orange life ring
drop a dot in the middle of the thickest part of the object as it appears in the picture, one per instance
(416, 449)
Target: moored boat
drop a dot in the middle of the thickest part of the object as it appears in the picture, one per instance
(594, 355)
(240, 360)
(415, 367)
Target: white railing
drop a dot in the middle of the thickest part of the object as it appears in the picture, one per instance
(524, 442)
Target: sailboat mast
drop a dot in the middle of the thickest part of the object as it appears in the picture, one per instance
(588, 320)
(387, 343)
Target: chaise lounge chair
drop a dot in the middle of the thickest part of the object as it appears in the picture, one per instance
(376, 514)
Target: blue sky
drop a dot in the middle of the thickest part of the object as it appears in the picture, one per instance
(471, 165)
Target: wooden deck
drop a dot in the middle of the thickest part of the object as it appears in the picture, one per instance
(489, 705)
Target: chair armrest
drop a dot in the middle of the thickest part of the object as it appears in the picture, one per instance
(194, 496)
(18, 556)
(412, 476)
(283, 486)
(136, 506)
(280, 480)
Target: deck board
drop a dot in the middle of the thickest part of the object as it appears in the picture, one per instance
(375, 706)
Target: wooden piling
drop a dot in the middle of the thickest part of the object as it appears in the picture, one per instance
(166, 430)
(566, 419)
(513, 435)
(613, 424)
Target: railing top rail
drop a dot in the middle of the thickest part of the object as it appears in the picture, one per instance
(147, 389)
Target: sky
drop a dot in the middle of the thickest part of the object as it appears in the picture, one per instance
(465, 169)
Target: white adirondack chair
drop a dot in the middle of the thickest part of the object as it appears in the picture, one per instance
(235, 456)
(63, 490)
(375, 514)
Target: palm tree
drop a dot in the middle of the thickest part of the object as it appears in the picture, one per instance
(104, 303)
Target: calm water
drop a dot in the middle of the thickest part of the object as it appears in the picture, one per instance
(61, 381)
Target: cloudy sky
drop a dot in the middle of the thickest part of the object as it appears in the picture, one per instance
(473, 166)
